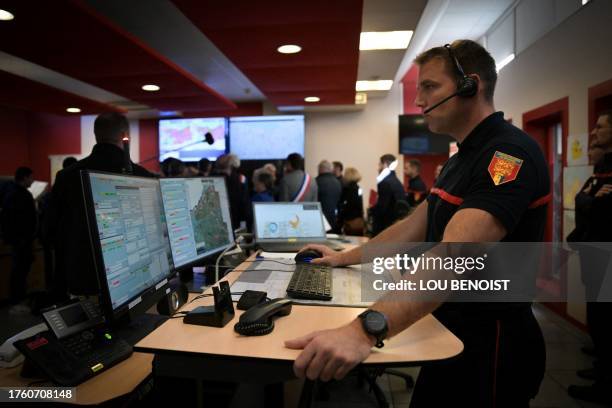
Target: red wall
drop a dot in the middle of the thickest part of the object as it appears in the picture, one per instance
(48, 135)
(428, 161)
(149, 145)
(13, 141)
(27, 139)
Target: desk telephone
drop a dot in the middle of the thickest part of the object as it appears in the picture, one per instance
(257, 321)
(77, 347)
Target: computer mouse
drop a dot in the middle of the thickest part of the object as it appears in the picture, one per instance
(307, 256)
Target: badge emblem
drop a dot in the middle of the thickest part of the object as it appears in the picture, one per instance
(504, 168)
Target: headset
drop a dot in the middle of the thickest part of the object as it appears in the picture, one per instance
(466, 86)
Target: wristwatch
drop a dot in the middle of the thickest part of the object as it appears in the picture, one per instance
(375, 324)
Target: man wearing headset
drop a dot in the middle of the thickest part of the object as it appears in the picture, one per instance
(494, 189)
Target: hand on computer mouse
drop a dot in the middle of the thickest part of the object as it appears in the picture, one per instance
(328, 255)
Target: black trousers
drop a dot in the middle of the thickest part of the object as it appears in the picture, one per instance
(22, 258)
(502, 364)
(600, 329)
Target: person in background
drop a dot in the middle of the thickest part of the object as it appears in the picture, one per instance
(297, 185)
(172, 167)
(437, 172)
(390, 195)
(69, 161)
(417, 190)
(338, 169)
(192, 170)
(65, 226)
(350, 210)
(271, 168)
(262, 184)
(44, 202)
(330, 190)
(19, 228)
(238, 195)
(204, 167)
(594, 224)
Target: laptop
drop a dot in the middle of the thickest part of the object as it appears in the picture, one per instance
(287, 226)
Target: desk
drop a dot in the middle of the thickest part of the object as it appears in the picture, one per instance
(117, 381)
(209, 353)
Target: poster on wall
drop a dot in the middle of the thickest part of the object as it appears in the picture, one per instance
(577, 146)
(56, 161)
(573, 180)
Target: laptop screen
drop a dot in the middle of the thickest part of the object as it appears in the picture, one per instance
(288, 221)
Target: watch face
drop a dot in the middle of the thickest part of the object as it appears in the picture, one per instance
(375, 322)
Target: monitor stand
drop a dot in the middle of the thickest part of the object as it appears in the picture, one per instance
(137, 328)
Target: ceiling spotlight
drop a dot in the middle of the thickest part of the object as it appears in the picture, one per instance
(312, 99)
(73, 110)
(384, 40)
(150, 88)
(289, 49)
(378, 85)
(5, 15)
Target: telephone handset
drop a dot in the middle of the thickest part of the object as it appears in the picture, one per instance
(257, 321)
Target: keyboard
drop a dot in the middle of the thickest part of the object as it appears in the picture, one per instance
(312, 282)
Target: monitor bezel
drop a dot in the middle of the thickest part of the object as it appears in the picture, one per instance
(149, 297)
(199, 259)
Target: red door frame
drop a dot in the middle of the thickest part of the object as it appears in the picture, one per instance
(600, 99)
(537, 123)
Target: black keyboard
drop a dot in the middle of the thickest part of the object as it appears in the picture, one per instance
(93, 348)
(311, 282)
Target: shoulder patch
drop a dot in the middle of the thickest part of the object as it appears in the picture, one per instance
(504, 168)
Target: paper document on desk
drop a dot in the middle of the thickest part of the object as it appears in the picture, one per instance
(273, 278)
(278, 255)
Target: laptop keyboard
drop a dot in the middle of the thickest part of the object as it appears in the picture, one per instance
(312, 282)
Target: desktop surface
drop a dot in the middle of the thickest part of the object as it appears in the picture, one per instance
(426, 341)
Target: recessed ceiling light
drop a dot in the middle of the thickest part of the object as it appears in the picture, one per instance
(289, 49)
(380, 85)
(150, 88)
(5, 15)
(312, 99)
(361, 98)
(385, 40)
(504, 62)
(73, 110)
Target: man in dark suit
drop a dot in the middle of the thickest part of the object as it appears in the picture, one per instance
(66, 226)
(390, 193)
(18, 219)
(330, 190)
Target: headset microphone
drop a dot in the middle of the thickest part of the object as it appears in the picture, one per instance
(441, 102)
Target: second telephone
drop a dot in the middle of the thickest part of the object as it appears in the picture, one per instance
(257, 321)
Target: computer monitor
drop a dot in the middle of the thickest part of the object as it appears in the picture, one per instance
(198, 216)
(279, 222)
(129, 240)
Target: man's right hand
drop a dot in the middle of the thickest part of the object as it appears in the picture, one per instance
(330, 257)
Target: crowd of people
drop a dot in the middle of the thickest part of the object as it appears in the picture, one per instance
(56, 217)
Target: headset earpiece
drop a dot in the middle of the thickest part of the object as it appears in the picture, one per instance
(467, 87)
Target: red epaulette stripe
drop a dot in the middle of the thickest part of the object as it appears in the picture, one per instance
(602, 175)
(458, 200)
(446, 196)
(541, 201)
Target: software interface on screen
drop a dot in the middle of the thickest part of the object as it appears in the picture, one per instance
(132, 233)
(288, 220)
(198, 217)
(184, 138)
(266, 137)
